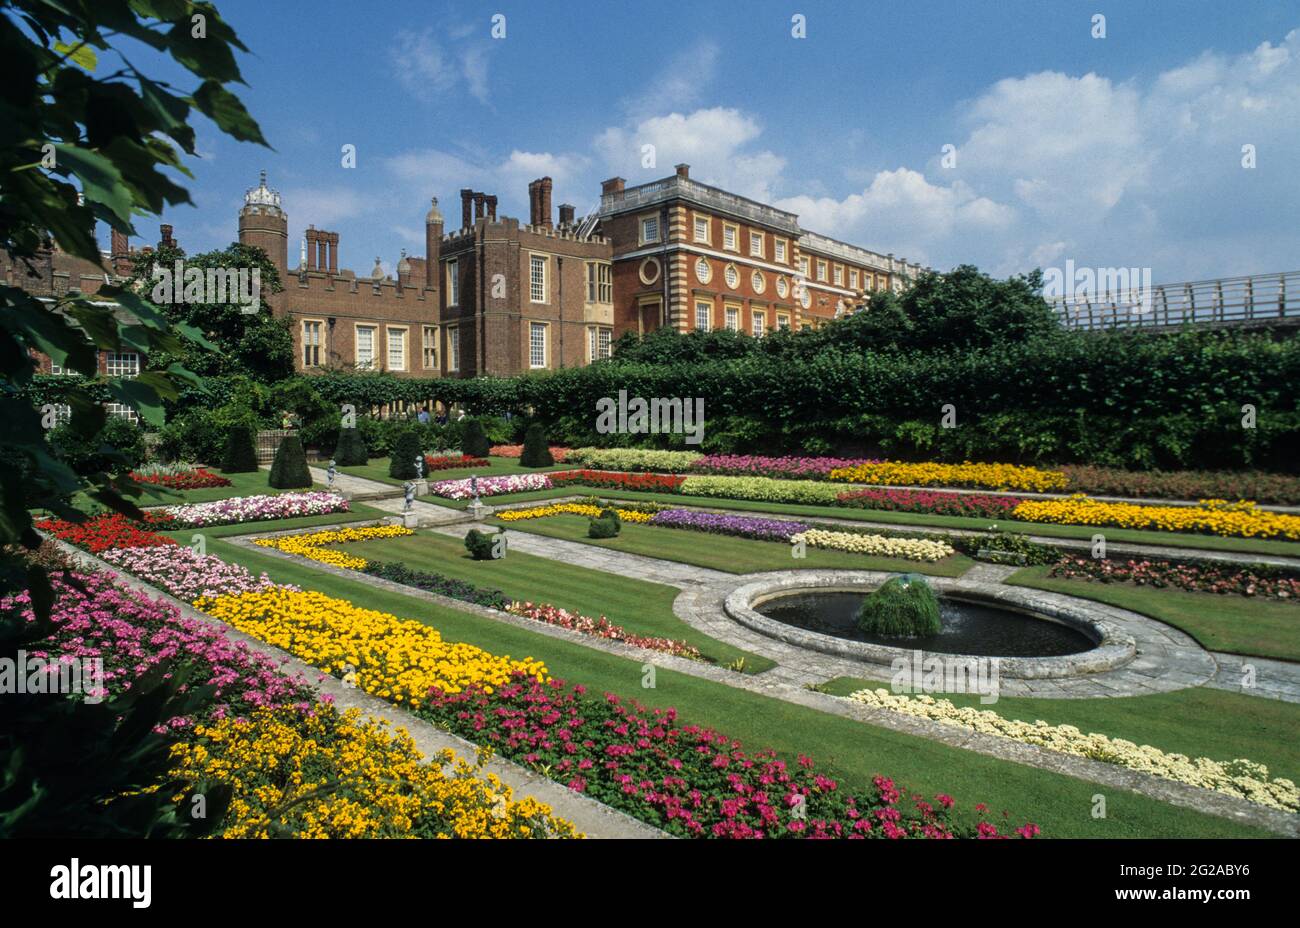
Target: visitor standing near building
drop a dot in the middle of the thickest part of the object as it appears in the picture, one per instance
(424, 415)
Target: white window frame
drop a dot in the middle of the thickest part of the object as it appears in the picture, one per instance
(405, 332)
(453, 349)
(731, 315)
(758, 322)
(730, 228)
(837, 275)
(600, 342)
(823, 266)
(533, 259)
(757, 245)
(428, 345)
(707, 237)
(356, 346)
(600, 282)
(453, 282)
(853, 278)
(782, 287)
(731, 276)
(317, 344)
(782, 321)
(758, 281)
(779, 246)
(533, 329)
(803, 266)
(122, 364)
(707, 276)
(641, 235)
(707, 307)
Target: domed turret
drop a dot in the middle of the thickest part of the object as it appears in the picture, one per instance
(263, 223)
(434, 214)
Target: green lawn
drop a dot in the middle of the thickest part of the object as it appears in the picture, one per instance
(253, 483)
(1198, 722)
(849, 750)
(377, 469)
(638, 605)
(908, 519)
(1231, 623)
(724, 552)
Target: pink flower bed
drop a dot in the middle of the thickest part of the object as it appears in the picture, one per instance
(255, 509)
(186, 574)
(934, 502)
(757, 465)
(490, 486)
(600, 628)
(97, 618)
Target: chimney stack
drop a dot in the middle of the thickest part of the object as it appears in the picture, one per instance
(533, 211)
(544, 201)
(322, 249)
(684, 171)
(491, 200)
(566, 215)
(479, 196)
(466, 207)
(119, 253)
(612, 187)
(166, 240)
(333, 241)
(311, 248)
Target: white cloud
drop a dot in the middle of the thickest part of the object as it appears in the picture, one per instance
(679, 83)
(426, 69)
(325, 206)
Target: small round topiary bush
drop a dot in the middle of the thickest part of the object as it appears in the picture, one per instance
(240, 455)
(406, 451)
(605, 525)
(535, 452)
(483, 546)
(903, 607)
(351, 449)
(289, 469)
(474, 440)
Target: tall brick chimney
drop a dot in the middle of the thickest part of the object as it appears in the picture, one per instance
(432, 245)
(333, 242)
(684, 171)
(612, 187)
(322, 249)
(491, 200)
(119, 253)
(533, 210)
(311, 248)
(466, 207)
(479, 197)
(566, 215)
(544, 201)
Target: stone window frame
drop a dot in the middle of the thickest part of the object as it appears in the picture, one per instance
(641, 236)
(823, 269)
(453, 281)
(406, 347)
(780, 324)
(533, 326)
(759, 239)
(707, 276)
(320, 342)
(453, 349)
(426, 347)
(546, 275)
(356, 345)
(648, 263)
(734, 229)
(780, 250)
(782, 287)
(728, 273)
(696, 219)
(730, 314)
(758, 322)
(854, 278)
(837, 275)
(757, 281)
(701, 302)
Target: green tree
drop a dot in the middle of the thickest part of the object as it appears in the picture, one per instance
(84, 140)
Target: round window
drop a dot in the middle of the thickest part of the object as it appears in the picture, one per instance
(649, 270)
(703, 273)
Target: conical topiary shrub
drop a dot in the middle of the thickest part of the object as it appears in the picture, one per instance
(406, 451)
(474, 440)
(903, 607)
(289, 469)
(351, 449)
(535, 452)
(240, 455)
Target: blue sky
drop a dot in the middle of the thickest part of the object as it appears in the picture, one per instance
(1116, 151)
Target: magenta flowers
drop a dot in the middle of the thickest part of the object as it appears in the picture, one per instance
(757, 465)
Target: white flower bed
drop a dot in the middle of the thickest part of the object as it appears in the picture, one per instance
(913, 549)
(1242, 778)
(490, 486)
(255, 509)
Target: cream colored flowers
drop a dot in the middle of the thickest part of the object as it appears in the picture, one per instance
(1242, 778)
(913, 549)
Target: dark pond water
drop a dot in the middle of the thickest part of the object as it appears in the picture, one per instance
(968, 628)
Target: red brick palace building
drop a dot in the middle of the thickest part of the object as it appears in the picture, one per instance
(499, 296)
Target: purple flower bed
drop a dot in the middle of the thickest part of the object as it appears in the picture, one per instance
(130, 633)
(757, 465)
(718, 524)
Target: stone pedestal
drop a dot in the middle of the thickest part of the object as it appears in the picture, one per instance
(410, 520)
(421, 487)
(477, 511)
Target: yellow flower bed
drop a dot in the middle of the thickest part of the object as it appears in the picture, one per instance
(1213, 516)
(331, 775)
(993, 476)
(395, 659)
(1243, 778)
(311, 544)
(581, 509)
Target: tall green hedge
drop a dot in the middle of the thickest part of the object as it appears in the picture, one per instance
(406, 451)
(240, 455)
(289, 469)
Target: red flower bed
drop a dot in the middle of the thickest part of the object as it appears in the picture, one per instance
(981, 505)
(558, 452)
(199, 479)
(109, 531)
(688, 780)
(1256, 580)
(1280, 489)
(619, 480)
(450, 462)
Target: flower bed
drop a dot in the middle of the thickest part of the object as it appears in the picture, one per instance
(359, 779)
(95, 617)
(991, 476)
(619, 480)
(178, 476)
(1280, 489)
(687, 780)
(763, 489)
(255, 509)
(396, 659)
(1241, 778)
(312, 544)
(787, 466)
(578, 509)
(1211, 517)
(491, 486)
(184, 573)
(634, 459)
(913, 549)
(451, 462)
(1257, 580)
(600, 628)
(100, 533)
(558, 452)
(718, 524)
(933, 502)
(437, 583)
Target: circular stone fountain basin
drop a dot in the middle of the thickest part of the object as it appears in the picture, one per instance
(1033, 634)
(968, 628)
